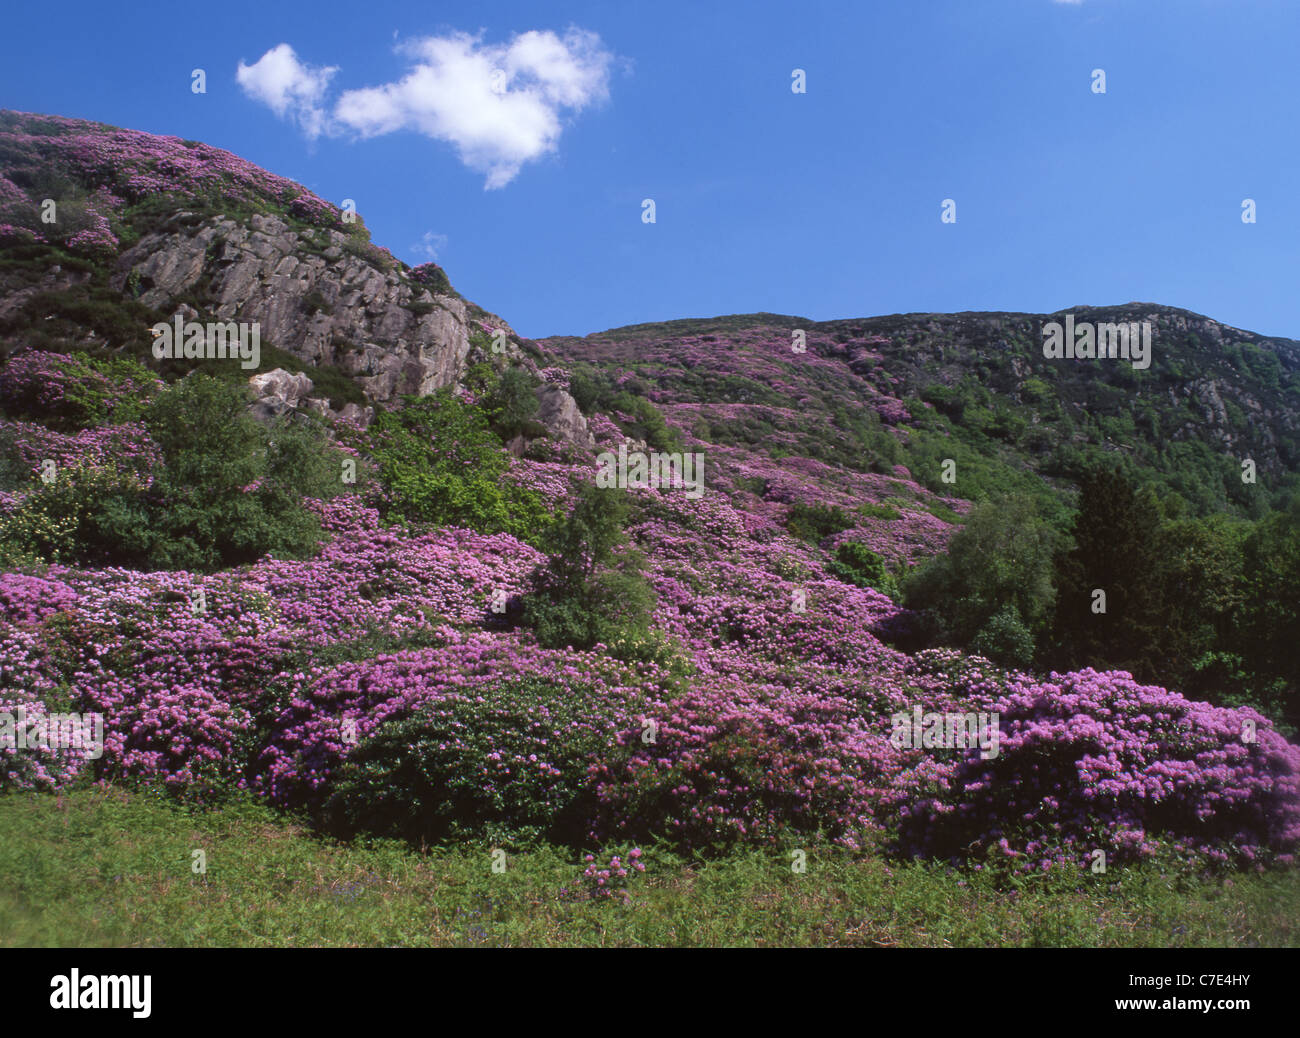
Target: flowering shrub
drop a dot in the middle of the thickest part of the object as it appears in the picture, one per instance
(122, 448)
(310, 209)
(12, 233)
(555, 377)
(28, 600)
(71, 392)
(612, 880)
(431, 276)
(128, 166)
(96, 240)
(727, 767)
(85, 513)
(500, 760)
(1094, 761)
(47, 764)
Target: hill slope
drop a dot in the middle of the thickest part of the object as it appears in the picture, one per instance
(1212, 396)
(144, 227)
(434, 623)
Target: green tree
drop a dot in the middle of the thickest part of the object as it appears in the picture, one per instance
(1267, 631)
(592, 588)
(231, 488)
(512, 403)
(1114, 550)
(1001, 558)
(441, 463)
(1198, 565)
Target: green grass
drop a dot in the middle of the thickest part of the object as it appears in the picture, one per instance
(107, 868)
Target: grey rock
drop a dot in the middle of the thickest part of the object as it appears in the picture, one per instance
(393, 336)
(559, 412)
(280, 383)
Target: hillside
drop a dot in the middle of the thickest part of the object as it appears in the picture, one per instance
(145, 227)
(395, 598)
(1212, 396)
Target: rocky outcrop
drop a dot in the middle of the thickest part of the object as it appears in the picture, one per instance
(560, 414)
(321, 295)
(328, 298)
(277, 392)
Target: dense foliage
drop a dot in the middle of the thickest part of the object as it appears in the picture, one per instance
(591, 590)
(441, 463)
(500, 762)
(197, 483)
(472, 641)
(1094, 762)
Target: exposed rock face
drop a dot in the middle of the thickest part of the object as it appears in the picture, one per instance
(328, 300)
(323, 305)
(278, 392)
(559, 413)
(313, 298)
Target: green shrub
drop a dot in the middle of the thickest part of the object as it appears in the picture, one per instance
(855, 563)
(591, 590)
(512, 403)
(817, 522)
(432, 277)
(594, 390)
(502, 762)
(585, 390)
(88, 515)
(314, 302)
(647, 423)
(1005, 639)
(441, 463)
(52, 319)
(871, 511)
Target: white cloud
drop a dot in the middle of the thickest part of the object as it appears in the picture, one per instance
(499, 106)
(288, 87)
(430, 245)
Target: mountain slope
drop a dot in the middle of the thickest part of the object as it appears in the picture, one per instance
(1212, 396)
(143, 227)
(439, 626)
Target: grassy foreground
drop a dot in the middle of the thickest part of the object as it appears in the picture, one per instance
(95, 867)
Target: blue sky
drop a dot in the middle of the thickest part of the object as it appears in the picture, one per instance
(824, 204)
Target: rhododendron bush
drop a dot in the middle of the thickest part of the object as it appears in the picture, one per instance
(70, 391)
(1094, 762)
(493, 760)
(389, 682)
(761, 725)
(726, 767)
